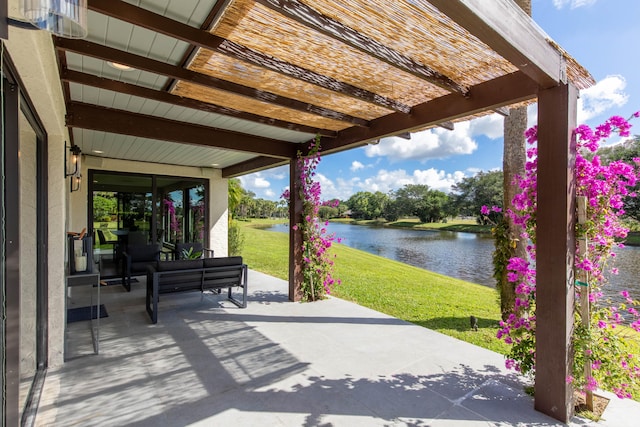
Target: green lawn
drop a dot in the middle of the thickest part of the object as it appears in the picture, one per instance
(428, 299)
(633, 239)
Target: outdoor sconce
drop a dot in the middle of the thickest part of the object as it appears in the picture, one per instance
(74, 185)
(64, 18)
(76, 176)
(75, 160)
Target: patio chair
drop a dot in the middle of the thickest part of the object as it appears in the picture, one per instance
(103, 241)
(135, 261)
(137, 238)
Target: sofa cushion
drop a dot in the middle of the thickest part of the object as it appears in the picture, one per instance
(186, 264)
(141, 267)
(223, 261)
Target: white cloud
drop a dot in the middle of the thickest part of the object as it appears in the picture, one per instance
(439, 143)
(386, 181)
(491, 126)
(604, 95)
(258, 184)
(430, 144)
(281, 172)
(474, 171)
(573, 4)
(339, 189)
(356, 165)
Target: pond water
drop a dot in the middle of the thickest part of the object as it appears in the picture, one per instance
(465, 256)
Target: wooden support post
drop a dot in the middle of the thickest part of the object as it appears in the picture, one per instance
(557, 109)
(295, 236)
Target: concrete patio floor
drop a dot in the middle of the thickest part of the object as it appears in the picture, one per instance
(276, 363)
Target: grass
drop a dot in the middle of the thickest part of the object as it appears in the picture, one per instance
(427, 299)
(633, 239)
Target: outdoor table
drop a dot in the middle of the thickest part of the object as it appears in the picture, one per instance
(89, 278)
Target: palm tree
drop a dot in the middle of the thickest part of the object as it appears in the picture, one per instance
(513, 163)
(235, 196)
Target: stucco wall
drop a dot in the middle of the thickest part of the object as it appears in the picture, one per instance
(33, 55)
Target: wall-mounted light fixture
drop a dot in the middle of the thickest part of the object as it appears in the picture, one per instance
(75, 173)
(75, 160)
(74, 185)
(64, 18)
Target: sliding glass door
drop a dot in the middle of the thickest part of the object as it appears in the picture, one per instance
(136, 209)
(24, 230)
(182, 210)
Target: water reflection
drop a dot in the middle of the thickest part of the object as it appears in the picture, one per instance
(627, 261)
(466, 256)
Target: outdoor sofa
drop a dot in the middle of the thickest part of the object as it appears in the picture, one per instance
(195, 275)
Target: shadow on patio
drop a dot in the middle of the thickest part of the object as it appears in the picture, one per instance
(207, 362)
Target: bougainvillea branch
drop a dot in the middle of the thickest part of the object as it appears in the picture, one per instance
(317, 260)
(174, 224)
(604, 342)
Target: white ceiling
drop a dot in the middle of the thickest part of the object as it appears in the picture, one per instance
(112, 32)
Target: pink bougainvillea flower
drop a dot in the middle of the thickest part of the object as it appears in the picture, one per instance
(605, 185)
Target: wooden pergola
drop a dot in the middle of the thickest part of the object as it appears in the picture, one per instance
(245, 84)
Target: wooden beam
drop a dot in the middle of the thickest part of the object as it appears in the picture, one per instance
(296, 210)
(556, 217)
(510, 32)
(110, 120)
(309, 17)
(204, 39)
(485, 96)
(210, 21)
(503, 111)
(105, 53)
(66, 90)
(253, 165)
(448, 125)
(67, 75)
(4, 23)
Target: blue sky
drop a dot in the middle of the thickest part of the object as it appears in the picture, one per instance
(601, 34)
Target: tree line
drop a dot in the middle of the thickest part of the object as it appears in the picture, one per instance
(428, 204)
(417, 200)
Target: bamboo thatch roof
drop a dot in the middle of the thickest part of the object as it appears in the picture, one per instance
(350, 70)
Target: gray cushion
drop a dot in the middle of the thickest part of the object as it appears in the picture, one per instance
(186, 264)
(223, 261)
